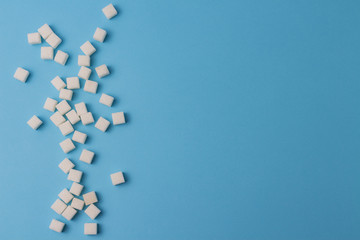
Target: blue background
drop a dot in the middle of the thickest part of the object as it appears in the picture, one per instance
(243, 119)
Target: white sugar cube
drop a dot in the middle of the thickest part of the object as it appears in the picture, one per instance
(66, 165)
(77, 204)
(73, 117)
(65, 94)
(90, 86)
(21, 74)
(92, 211)
(63, 107)
(66, 128)
(72, 83)
(90, 198)
(102, 71)
(87, 118)
(47, 53)
(87, 48)
(61, 57)
(80, 108)
(69, 213)
(79, 137)
(90, 228)
(84, 60)
(86, 156)
(67, 145)
(58, 83)
(102, 124)
(65, 195)
(58, 206)
(99, 34)
(84, 73)
(75, 175)
(118, 118)
(106, 99)
(57, 118)
(76, 188)
(53, 40)
(34, 38)
(117, 178)
(50, 104)
(56, 225)
(109, 11)
(34, 122)
(45, 31)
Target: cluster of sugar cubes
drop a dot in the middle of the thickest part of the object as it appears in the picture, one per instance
(64, 117)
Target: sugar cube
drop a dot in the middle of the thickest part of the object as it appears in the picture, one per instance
(69, 213)
(84, 73)
(34, 122)
(72, 83)
(21, 74)
(80, 108)
(76, 188)
(106, 99)
(47, 53)
(84, 60)
(109, 11)
(87, 48)
(53, 40)
(75, 175)
(117, 178)
(79, 137)
(86, 156)
(58, 206)
(50, 104)
(67, 145)
(63, 107)
(73, 117)
(90, 198)
(66, 165)
(65, 195)
(56, 225)
(87, 118)
(61, 57)
(99, 34)
(66, 128)
(58, 83)
(92, 211)
(102, 71)
(45, 31)
(65, 94)
(90, 228)
(34, 38)
(77, 203)
(118, 118)
(57, 118)
(90, 86)
(102, 124)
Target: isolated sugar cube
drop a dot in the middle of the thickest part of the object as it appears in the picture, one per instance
(87, 48)
(75, 175)
(84, 60)
(69, 213)
(90, 228)
(57, 118)
(63, 107)
(45, 31)
(34, 38)
(34, 122)
(99, 34)
(90, 198)
(58, 206)
(92, 211)
(65, 195)
(21, 74)
(53, 40)
(87, 118)
(117, 178)
(47, 53)
(79, 137)
(86, 156)
(102, 124)
(106, 99)
(80, 108)
(90, 86)
(65, 94)
(102, 71)
(56, 225)
(77, 204)
(118, 118)
(66, 128)
(76, 188)
(73, 117)
(58, 83)
(84, 73)
(67, 145)
(61, 57)
(72, 83)
(50, 104)
(66, 165)
(109, 11)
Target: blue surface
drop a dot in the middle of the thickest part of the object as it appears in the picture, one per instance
(243, 120)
